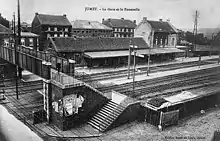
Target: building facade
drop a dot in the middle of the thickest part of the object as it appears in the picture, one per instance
(30, 40)
(157, 33)
(50, 26)
(122, 28)
(85, 28)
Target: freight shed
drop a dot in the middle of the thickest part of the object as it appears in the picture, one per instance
(107, 52)
(166, 111)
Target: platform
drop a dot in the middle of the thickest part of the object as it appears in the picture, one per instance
(141, 77)
(176, 61)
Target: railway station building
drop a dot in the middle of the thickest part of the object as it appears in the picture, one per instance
(97, 51)
(107, 52)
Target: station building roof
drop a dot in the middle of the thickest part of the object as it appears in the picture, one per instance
(91, 44)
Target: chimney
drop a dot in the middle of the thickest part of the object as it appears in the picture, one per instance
(135, 21)
(89, 22)
(64, 15)
(122, 18)
(160, 20)
(36, 13)
(103, 20)
(144, 18)
(168, 20)
(109, 20)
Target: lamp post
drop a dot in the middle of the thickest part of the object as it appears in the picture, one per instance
(148, 62)
(134, 66)
(129, 59)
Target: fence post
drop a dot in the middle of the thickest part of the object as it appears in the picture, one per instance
(160, 123)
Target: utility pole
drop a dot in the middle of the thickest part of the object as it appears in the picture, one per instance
(129, 59)
(16, 59)
(18, 43)
(195, 28)
(19, 25)
(148, 62)
(134, 66)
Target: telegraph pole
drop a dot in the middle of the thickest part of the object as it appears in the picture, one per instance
(18, 43)
(195, 28)
(134, 66)
(15, 48)
(148, 63)
(129, 59)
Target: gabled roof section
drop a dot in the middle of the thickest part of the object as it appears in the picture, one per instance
(28, 34)
(85, 24)
(5, 30)
(53, 19)
(161, 26)
(119, 23)
(71, 44)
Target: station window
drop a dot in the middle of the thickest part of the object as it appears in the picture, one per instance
(22, 41)
(31, 42)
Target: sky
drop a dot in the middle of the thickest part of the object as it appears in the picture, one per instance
(180, 12)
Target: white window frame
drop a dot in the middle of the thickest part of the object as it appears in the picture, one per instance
(22, 41)
(55, 28)
(31, 42)
(55, 35)
(49, 29)
(66, 29)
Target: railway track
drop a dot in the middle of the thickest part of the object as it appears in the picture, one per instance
(142, 70)
(204, 87)
(159, 87)
(201, 80)
(145, 83)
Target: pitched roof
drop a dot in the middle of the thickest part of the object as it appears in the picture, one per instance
(28, 34)
(71, 44)
(53, 19)
(89, 25)
(161, 26)
(5, 30)
(119, 23)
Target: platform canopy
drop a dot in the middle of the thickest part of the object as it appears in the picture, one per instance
(153, 51)
(140, 52)
(109, 54)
